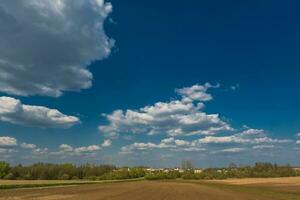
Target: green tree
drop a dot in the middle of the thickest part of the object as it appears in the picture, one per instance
(4, 169)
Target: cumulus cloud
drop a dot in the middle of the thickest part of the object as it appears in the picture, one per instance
(252, 131)
(7, 151)
(10, 147)
(171, 144)
(231, 150)
(196, 92)
(263, 147)
(6, 141)
(256, 137)
(13, 111)
(87, 149)
(298, 142)
(40, 151)
(66, 149)
(251, 136)
(187, 127)
(182, 117)
(33, 150)
(28, 146)
(45, 45)
(106, 143)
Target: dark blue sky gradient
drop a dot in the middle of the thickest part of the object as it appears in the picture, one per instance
(163, 45)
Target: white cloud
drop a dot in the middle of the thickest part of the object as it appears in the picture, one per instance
(253, 132)
(251, 136)
(298, 142)
(8, 141)
(232, 150)
(185, 117)
(167, 143)
(87, 149)
(196, 92)
(193, 149)
(182, 143)
(106, 143)
(248, 137)
(65, 148)
(28, 146)
(138, 146)
(45, 45)
(217, 140)
(175, 118)
(40, 151)
(13, 111)
(34, 150)
(263, 147)
(7, 151)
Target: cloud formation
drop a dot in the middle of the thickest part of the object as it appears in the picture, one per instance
(263, 146)
(28, 146)
(170, 143)
(183, 126)
(250, 136)
(106, 143)
(10, 146)
(6, 141)
(244, 139)
(13, 111)
(231, 150)
(45, 45)
(196, 92)
(182, 117)
(11, 149)
(68, 150)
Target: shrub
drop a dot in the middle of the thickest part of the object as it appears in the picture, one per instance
(4, 169)
(10, 176)
(65, 177)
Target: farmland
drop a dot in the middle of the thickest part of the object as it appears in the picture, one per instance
(235, 189)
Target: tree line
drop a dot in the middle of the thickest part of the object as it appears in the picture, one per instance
(259, 170)
(47, 171)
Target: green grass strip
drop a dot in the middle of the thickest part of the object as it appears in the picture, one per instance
(41, 185)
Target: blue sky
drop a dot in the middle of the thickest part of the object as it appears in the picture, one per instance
(91, 59)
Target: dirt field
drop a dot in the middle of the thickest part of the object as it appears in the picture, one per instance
(164, 190)
(273, 181)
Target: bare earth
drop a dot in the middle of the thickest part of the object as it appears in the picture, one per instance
(274, 181)
(165, 190)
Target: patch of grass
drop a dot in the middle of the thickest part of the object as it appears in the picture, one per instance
(18, 186)
(41, 185)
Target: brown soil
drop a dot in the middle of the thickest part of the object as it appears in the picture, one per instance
(143, 190)
(295, 181)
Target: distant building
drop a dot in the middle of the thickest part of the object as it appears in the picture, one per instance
(197, 171)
